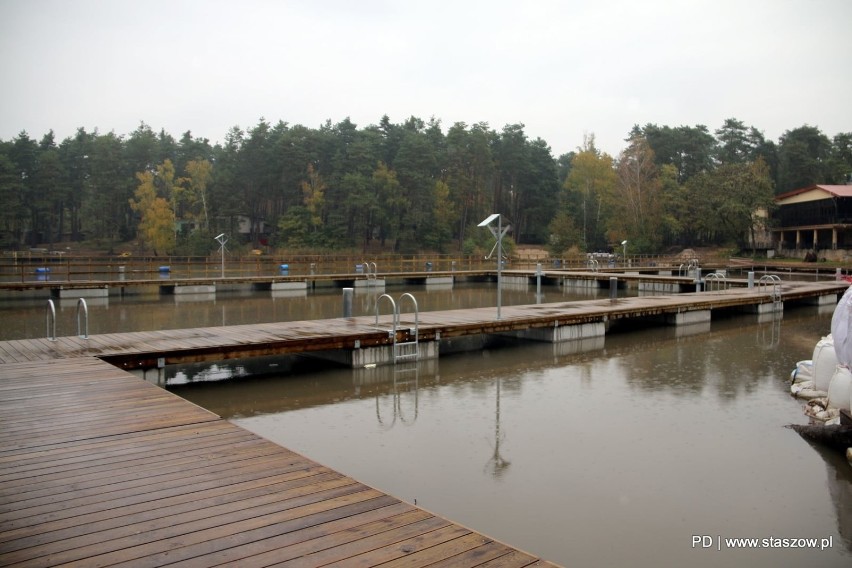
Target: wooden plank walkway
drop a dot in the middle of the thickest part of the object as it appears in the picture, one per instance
(57, 282)
(144, 349)
(100, 468)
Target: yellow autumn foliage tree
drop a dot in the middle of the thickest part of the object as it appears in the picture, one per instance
(591, 178)
(156, 227)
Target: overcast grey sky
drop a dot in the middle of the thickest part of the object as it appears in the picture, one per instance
(564, 69)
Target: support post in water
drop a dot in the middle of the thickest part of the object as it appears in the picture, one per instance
(347, 302)
(613, 288)
(538, 283)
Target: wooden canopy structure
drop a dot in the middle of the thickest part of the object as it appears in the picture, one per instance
(813, 218)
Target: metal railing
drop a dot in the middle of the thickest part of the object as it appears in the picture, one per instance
(715, 281)
(407, 350)
(404, 350)
(82, 319)
(771, 284)
(371, 270)
(82, 309)
(685, 269)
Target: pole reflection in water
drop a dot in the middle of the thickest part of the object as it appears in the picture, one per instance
(497, 465)
(616, 451)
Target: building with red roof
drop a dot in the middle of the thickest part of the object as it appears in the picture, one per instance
(816, 218)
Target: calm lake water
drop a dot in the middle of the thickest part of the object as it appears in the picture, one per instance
(145, 309)
(617, 451)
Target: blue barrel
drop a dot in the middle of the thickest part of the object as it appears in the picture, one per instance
(428, 267)
(165, 269)
(284, 268)
(359, 268)
(42, 270)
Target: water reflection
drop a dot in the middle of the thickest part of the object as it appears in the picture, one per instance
(610, 451)
(840, 488)
(497, 464)
(144, 309)
(613, 454)
(404, 381)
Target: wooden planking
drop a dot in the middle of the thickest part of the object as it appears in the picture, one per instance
(143, 349)
(98, 467)
(488, 273)
(172, 281)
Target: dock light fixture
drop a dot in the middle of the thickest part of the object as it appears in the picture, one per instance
(624, 246)
(498, 233)
(221, 238)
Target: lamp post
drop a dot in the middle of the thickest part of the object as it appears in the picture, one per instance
(222, 239)
(624, 246)
(498, 233)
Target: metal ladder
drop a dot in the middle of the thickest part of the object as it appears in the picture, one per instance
(402, 350)
(407, 350)
(372, 271)
(82, 329)
(772, 283)
(715, 281)
(685, 269)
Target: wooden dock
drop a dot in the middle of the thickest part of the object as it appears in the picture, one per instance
(148, 350)
(169, 283)
(100, 468)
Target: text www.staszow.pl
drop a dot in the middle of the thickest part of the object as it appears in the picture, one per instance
(707, 541)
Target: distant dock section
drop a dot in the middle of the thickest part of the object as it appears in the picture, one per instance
(659, 280)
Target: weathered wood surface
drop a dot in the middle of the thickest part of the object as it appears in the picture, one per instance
(59, 280)
(99, 468)
(143, 349)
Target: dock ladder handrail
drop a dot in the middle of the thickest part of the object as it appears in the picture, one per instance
(83, 309)
(407, 350)
(684, 269)
(392, 331)
(715, 281)
(593, 265)
(773, 286)
(371, 271)
(50, 320)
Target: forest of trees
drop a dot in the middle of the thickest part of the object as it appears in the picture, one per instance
(404, 187)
